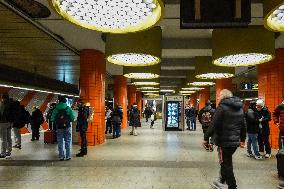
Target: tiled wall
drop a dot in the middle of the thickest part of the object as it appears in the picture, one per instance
(204, 95)
(120, 96)
(220, 85)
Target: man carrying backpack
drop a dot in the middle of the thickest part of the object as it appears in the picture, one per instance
(36, 120)
(205, 117)
(6, 119)
(62, 116)
(116, 119)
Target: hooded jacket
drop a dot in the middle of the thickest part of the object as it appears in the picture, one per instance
(134, 119)
(228, 127)
(252, 121)
(61, 106)
(266, 117)
(278, 116)
(207, 108)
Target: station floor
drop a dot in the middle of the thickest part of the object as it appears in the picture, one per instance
(154, 159)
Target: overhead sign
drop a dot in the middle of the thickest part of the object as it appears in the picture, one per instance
(249, 86)
(215, 13)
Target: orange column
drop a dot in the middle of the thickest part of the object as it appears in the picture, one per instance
(220, 85)
(193, 100)
(131, 95)
(43, 108)
(120, 96)
(25, 101)
(271, 88)
(204, 95)
(92, 89)
(139, 101)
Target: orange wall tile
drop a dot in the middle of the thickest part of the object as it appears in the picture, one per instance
(131, 95)
(220, 85)
(193, 100)
(120, 96)
(204, 95)
(271, 88)
(139, 101)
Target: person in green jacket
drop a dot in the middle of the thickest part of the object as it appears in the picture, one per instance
(62, 116)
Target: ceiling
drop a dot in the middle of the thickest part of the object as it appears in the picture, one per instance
(31, 49)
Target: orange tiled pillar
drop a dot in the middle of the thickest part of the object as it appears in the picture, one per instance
(120, 96)
(131, 95)
(139, 101)
(193, 100)
(92, 89)
(204, 95)
(271, 87)
(220, 85)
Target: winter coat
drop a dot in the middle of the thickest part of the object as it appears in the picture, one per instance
(204, 110)
(22, 117)
(264, 112)
(37, 118)
(82, 119)
(192, 113)
(252, 121)
(61, 106)
(117, 115)
(4, 111)
(134, 119)
(228, 126)
(278, 116)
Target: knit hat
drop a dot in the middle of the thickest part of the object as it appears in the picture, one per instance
(260, 102)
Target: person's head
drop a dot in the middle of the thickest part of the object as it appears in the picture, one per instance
(62, 99)
(134, 105)
(80, 102)
(5, 96)
(17, 103)
(225, 93)
(252, 105)
(208, 103)
(259, 104)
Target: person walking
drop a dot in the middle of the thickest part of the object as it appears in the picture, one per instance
(228, 130)
(108, 120)
(147, 112)
(192, 117)
(82, 126)
(153, 117)
(205, 117)
(134, 119)
(36, 120)
(252, 130)
(278, 118)
(6, 120)
(264, 117)
(116, 119)
(187, 116)
(62, 116)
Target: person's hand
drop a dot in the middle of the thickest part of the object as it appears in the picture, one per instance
(277, 124)
(260, 120)
(242, 144)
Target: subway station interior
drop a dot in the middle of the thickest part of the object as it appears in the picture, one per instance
(166, 55)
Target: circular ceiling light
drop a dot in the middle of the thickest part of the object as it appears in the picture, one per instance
(192, 88)
(151, 94)
(141, 75)
(167, 90)
(234, 47)
(149, 83)
(187, 92)
(202, 83)
(148, 88)
(249, 59)
(273, 10)
(150, 91)
(115, 16)
(133, 59)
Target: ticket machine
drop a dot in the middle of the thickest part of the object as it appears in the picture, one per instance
(173, 119)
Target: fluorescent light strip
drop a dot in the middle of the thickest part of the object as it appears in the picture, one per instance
(38, 90)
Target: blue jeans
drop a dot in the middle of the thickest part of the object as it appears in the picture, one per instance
(64, 135)
(193, 123)
(252, 141)
(116, 130)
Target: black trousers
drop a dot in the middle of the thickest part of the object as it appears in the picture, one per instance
(83, 141)
(226, 162)
(108, 126)
(35, 131)
(263, 141)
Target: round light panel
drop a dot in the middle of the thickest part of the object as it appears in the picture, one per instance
(133, 59)
(141, 75)
(149, 83)
(248, 59)
(202, 83)
(275, 20)
(192, 88)
(114, 16)
(214, 76)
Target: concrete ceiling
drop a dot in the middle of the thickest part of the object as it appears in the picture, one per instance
(179, 46)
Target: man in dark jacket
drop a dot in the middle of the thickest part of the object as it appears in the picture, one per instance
(147, 112)
(263, 136)
(187, 115)
(134, 119)
(278, 118)
(82, 126)
(51, 125)
(205, 117)
(36, 120)
(6, 119)
(252, 130)
(229, 131)
(192, 117)
(116, 119)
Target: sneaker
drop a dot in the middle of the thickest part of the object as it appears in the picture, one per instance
(249, 154)
(17, 146)
(62, 159)
(267, 156)
(131, 133)
(68, 159)
(8, 155)
(258, 157)
(218, 185)
(2, 156)
(135, 134)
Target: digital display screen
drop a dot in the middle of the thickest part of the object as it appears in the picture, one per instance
(172, 114)
(69, 102)
(249, 86)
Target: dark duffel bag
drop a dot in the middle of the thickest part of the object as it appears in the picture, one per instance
(280, 160)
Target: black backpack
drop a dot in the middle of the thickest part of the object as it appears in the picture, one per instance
(62, 120)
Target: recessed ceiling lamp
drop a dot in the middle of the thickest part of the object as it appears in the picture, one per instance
(115, 16)
(150, 91)
(201, 83)
(242, 46)
(135, 49)
(206, 70)
(148, 88)
(167, 90)
(273, 10)
(192, 88)
(192, 80)
(144, 72)
(149, 83)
